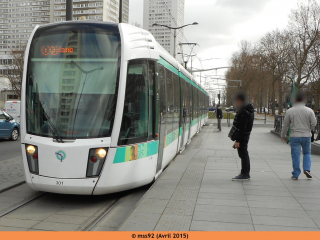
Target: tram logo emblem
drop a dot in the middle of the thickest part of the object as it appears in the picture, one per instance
(61, 155)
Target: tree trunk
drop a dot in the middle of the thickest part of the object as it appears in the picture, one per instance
(273, 96)
(280, 101)
(316, 101)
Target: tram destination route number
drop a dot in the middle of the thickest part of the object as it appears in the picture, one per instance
(161, 235)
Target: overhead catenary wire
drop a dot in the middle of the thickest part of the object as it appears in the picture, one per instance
(184, 37)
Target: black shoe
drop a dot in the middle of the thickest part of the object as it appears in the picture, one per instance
(308, 174)
(241, 177)
(294, 178)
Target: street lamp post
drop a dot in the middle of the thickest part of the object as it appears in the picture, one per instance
(174, 33)
(69, 10)
(120, 11)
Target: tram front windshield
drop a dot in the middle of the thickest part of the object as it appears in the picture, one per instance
(72, 81)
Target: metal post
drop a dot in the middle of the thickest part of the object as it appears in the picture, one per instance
(265, 115)
(120, 11)
(175, 42)
(229, 119)
(69, 10)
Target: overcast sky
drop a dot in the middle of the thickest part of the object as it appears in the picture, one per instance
(224, 23)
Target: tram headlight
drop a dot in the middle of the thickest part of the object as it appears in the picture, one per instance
(96, 159)
(31, 149)
(101, 152)
(32, 158)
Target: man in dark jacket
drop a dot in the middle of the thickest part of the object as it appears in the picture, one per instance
(219, 116)
(243, 122)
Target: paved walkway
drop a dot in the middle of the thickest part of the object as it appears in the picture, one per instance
(196, 192)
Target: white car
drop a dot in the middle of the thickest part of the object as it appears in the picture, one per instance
(13, 108)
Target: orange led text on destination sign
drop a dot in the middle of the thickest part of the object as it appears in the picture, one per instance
(54, 50)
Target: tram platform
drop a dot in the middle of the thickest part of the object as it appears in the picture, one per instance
(196, 192)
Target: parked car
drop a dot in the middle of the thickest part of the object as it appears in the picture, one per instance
(230, 109)
(263, 110)
(212, 109)
(9, 128)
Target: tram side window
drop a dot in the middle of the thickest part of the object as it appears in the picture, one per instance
(186, 96)
(176, 117)
(194, 101)
(190, 115)
(202, 104)
(163, 104)
(152, 109)
(198, 102)
(169, 97)
(134, 127)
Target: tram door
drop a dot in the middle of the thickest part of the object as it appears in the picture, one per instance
(160, 82)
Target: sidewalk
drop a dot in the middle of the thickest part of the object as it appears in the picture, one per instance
(196, 192)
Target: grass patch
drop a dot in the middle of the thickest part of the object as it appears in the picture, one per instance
(213, 115)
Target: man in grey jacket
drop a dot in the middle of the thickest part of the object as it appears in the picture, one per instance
(301, 121)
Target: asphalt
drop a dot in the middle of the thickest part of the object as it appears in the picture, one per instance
(9, 149)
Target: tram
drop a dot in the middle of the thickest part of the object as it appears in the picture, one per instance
(104, 108)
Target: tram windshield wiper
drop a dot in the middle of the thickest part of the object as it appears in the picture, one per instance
(52, 128)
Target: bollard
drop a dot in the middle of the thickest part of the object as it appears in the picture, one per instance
(265, 116)
(229, 119)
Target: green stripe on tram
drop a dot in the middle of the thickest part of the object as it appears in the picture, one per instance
(168, 66)
(135, 152)
(171, 137)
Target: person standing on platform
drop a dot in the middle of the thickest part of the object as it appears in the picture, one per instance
(240, 133)
(219, 117)
(301, 121)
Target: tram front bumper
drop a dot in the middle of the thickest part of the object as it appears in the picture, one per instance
(64, 186)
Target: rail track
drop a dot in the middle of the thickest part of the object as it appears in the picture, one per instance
(20, 204)
(94, 220)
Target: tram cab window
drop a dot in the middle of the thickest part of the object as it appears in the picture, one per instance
(134, 127)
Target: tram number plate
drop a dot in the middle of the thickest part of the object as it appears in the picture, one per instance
(59, 183)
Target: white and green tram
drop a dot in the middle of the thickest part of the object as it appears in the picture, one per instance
(104, 108)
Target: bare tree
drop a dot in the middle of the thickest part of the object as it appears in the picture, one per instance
(303, 35)
(14, 70)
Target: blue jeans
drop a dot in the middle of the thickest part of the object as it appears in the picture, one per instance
(296, 144)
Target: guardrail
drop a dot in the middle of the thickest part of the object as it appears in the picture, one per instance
(317, 130)
(278, 121)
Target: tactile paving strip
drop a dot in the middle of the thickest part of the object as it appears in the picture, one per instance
(180, 207)
(174, 223)
(178, 213)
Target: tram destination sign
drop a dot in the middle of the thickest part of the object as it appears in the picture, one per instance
(55, 50)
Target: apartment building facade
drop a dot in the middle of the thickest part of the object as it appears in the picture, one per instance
(165, 12)
(19, 17)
